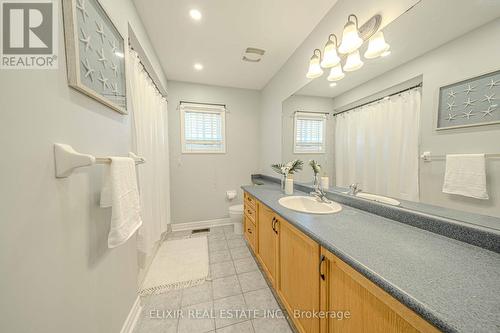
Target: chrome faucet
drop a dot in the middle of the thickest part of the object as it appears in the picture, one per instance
(318, 192)
(354, 189)
(320, 195)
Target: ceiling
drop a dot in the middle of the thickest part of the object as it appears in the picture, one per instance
(426, 26)
(226, 29)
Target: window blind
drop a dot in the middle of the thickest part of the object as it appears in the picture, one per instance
(203, 128)
(309, 132)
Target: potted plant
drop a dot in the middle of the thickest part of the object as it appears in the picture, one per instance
(287, 170)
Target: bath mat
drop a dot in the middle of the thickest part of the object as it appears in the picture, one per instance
(179, 263)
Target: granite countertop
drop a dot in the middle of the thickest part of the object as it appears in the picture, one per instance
(451, 284)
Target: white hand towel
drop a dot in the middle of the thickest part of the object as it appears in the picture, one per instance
(466, 175)
(119, 191)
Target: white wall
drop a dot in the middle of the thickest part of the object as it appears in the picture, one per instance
(312, 104)
(470, 55)
(291, 77)
(57, 272)
(198, 182)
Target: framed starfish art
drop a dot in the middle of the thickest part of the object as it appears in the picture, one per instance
(471, 102)
(95, 53)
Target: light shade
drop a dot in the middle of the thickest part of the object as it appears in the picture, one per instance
(330, 56)
(353, 62)
(336, 73)
(314, 66)
(350, 38)
(376, 46)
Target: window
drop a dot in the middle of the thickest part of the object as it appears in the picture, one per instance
(203, 128)
(309, 136)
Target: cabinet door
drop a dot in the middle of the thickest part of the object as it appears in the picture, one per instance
(267, 241)
(299, 276)
(370, 308)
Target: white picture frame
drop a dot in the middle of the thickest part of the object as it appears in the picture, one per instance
(93, 40)
(438, 100)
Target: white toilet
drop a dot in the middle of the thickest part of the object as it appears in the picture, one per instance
(236, 216)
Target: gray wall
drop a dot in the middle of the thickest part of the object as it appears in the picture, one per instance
(57, 273)
(313, 104)
(198, 182)
(470, 55)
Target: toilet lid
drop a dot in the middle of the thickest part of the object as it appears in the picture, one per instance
(236, 209)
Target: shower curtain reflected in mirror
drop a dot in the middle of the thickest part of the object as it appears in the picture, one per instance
(376, 145)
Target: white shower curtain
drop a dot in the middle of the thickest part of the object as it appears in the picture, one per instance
(150, 140)
(376, 145)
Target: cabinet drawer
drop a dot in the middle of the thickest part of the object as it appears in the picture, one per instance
(249, 200)
(250, 212)
(250, 233)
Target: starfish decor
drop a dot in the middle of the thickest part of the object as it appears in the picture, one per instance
(85, 39)
(89, 71)
(102, 58)
(451, 117)
(469, 102)
(468, 114)
(489, 111)
(80, 5)
(100, 31)
(493, 83)
(469, 89)
(103, 80)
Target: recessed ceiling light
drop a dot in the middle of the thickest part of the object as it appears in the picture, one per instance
(333, 84)
(198, 66)
(195, 14)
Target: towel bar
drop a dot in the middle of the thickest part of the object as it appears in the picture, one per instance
(67, 159)
(427, 157)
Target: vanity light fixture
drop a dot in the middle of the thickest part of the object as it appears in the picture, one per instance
(336, 73)
(376, 46)
(330, 56)
(350, 36)
(386, 53)
(314, 65)
(195, 14)
(198, 66)
(353, 62)
(348, 52)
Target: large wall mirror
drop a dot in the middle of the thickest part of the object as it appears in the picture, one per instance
(435, 94)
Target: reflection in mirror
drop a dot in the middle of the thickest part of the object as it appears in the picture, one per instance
(307, 129)
(379, 120)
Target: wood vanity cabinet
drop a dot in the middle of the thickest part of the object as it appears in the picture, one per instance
(298, 284)
(268, 237)
(309, 278)
(371, 309)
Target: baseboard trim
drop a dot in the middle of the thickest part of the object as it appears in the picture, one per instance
(200, 224)
(132, 318)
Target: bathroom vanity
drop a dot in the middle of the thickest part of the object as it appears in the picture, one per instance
(369, 273)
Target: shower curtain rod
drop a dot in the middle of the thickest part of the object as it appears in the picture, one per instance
(379, 99)
(147, 72)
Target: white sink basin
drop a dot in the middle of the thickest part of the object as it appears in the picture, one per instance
(378, 198)
(309, 205)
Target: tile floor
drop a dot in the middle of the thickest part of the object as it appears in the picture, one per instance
(235, 299)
